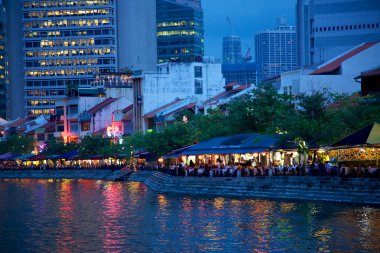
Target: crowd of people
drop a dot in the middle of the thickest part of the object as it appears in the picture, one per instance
(213, 170)
(238, 170)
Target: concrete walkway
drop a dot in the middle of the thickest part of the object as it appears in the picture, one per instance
(336, 189)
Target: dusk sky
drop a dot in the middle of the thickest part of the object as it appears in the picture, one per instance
(247, 17)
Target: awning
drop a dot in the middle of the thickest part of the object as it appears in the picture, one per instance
(37, 158)
(68, 155)
(23, 157)
(235, 144)
(177, 152)
(370, 135)
(222, 151)
(6, 156)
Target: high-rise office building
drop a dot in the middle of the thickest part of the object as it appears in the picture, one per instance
(14, 46)
(328, 28)
(275, 50)
(232, 50)
(3, 63)
(65, 44)
(180, 35)
(136, 34)
(243, 73)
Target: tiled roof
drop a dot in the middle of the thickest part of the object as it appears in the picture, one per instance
(188, 106)
(16, 123)
(154, 112)
(242, 87)
(374, 72)
(335, 63)
(49, 127)
(128, 108)
(216, 97)
(231, 85)
(101, 105)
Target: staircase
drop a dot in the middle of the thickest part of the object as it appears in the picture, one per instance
(351, 190)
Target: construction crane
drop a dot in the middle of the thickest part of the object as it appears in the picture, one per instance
(248, 56)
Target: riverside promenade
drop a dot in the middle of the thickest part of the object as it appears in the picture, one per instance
(335, 189)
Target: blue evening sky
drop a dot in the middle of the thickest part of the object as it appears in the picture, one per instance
(247, 18)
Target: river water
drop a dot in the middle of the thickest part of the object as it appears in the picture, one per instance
(99, 216)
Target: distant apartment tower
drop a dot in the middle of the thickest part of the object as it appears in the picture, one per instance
(65, 44)
(180, 33)
(3, 63)
(328, 28)
(275, 50)
(231, 49)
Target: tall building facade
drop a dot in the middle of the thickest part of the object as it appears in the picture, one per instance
(275, 50)
(232, 50)
(14, 46)
(328, 28)
(136, 34)
(180, 33)
(3, 63)
(243, 73)
(64, 44)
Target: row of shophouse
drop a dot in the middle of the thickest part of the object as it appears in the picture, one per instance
(119, 104)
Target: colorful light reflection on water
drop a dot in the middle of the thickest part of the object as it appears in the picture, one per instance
(85, 215)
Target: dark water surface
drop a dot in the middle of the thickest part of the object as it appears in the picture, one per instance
(98, 216)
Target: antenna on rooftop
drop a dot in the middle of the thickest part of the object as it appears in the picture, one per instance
(229, 26)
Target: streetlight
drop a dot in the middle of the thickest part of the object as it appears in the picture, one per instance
(132, 151)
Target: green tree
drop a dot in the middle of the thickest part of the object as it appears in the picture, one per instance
(18, 144)
(93, 144)
(57, 146)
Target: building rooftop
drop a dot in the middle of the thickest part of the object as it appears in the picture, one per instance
(101, 105)
(336, 63)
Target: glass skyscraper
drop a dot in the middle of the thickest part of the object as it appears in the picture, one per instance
(3, 63)
(232, 50)
(328, 28)
(180, 35)
(66, 42)
(243, 73)
(275, 50)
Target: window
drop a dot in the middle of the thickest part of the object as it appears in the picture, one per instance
(41, 137)
(74, 127)
(60, 128)
(198, 87)
(198, 71)
(59, 110)
(85, 126)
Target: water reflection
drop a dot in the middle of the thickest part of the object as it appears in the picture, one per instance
(65, 239)
(85, 215)
(111, 230)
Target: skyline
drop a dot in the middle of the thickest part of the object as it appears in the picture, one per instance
(247, 17)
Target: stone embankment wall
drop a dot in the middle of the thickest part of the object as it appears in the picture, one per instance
(62, 174)
(350, 190)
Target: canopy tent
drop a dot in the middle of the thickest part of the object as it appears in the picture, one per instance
(359, 148)
(37, 158)
(370, 135)
(177, 152)
(235, 144)
(23, 157)
(68, 155)
(6, 156)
